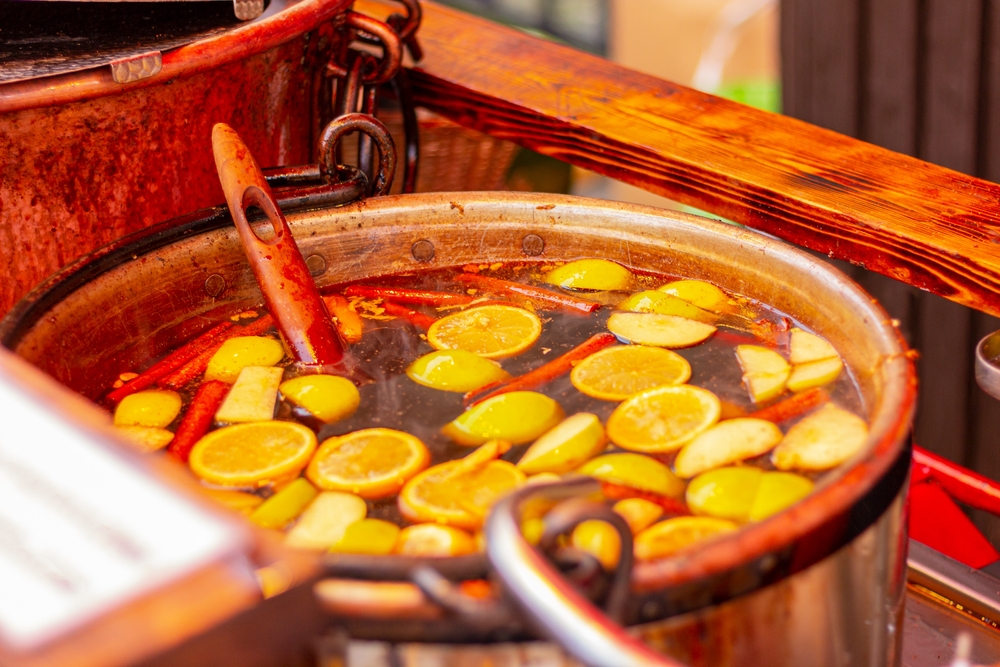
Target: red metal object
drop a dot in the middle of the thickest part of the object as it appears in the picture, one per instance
(937, 521)
(86, 160)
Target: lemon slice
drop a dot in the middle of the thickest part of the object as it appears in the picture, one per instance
(374, 537)
(154, 408)
(776, 491)
(699, 293)
(593, 274)
(663, 419)
(371, 463)
(328, 397)
(653, 301)
(252, 454)
(635, 471)
(668, 537)
(434, 541)
(450, 495)
(491, 331)
(616, 373)
(517, 416)
(455, 370)
(600, 539)
(724, 493)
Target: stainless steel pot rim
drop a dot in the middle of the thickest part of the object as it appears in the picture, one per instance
(848, 501)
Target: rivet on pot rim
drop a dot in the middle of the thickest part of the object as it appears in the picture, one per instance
(316, 264)
(214, 285)
(423, 250)
(650, 610)
(533, 245)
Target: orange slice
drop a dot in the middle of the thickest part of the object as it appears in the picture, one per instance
(371, 463)
(616, 373)
(252, 454)
(668, 537)
(663, 419)
(491, 331)
(453, 494)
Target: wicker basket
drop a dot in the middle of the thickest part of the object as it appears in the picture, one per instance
(452, 158)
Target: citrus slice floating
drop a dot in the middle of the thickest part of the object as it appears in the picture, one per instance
(776, 491)
(592, 274)
(327, 397)
(638, 513)
(517, 416)
(600, 539)
(455, 370)
(242, 351)
(635, 471)
(153, 408)
(252, 454)
(374, 537)
(654, 301)
(617, 373)
(663, 419)
(371, 463)
(699, 293)
(450, 495)
(434, 541)
(724, 493)
(491, 331)
(668, 537)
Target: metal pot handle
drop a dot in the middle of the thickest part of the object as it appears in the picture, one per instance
(548, 601)
(987, 365)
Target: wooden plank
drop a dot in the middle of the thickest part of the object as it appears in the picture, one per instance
(925, 225)
(820, 60)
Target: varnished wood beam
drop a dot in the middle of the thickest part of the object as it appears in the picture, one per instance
(927, 226)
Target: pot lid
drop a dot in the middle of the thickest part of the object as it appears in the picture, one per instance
(44, 38)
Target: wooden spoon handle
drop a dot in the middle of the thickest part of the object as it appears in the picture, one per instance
(289, 291)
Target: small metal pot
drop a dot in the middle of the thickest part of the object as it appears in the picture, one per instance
(820, 584)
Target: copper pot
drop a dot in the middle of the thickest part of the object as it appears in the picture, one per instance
(819, 582)
(72, 179)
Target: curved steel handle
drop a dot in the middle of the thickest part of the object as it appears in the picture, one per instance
(551, 603)
(988, 364)
(289, 291)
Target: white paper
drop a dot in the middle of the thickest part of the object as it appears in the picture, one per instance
(82, 528)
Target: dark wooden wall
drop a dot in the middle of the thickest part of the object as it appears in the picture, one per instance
(921, 77)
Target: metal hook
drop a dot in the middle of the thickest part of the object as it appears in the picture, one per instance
(357, 122)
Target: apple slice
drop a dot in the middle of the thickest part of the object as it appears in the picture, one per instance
(566, 447)
(323, 523)
(822, 440)
(807, 347)
(253, 396)
(658, 330)
(814, 373)
(765, 372)
(727, 442)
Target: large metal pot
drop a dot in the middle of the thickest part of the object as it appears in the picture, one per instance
(71, 178)
(820, 584)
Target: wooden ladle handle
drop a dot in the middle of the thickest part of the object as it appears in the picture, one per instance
(289, 291)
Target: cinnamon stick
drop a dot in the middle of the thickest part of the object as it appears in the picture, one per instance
(169, 363)
(404, 295)
(536, 294)
(543, 374)
(620, 492)
(197, 365)
(791, 407)
(415, 318)
(198, 418)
